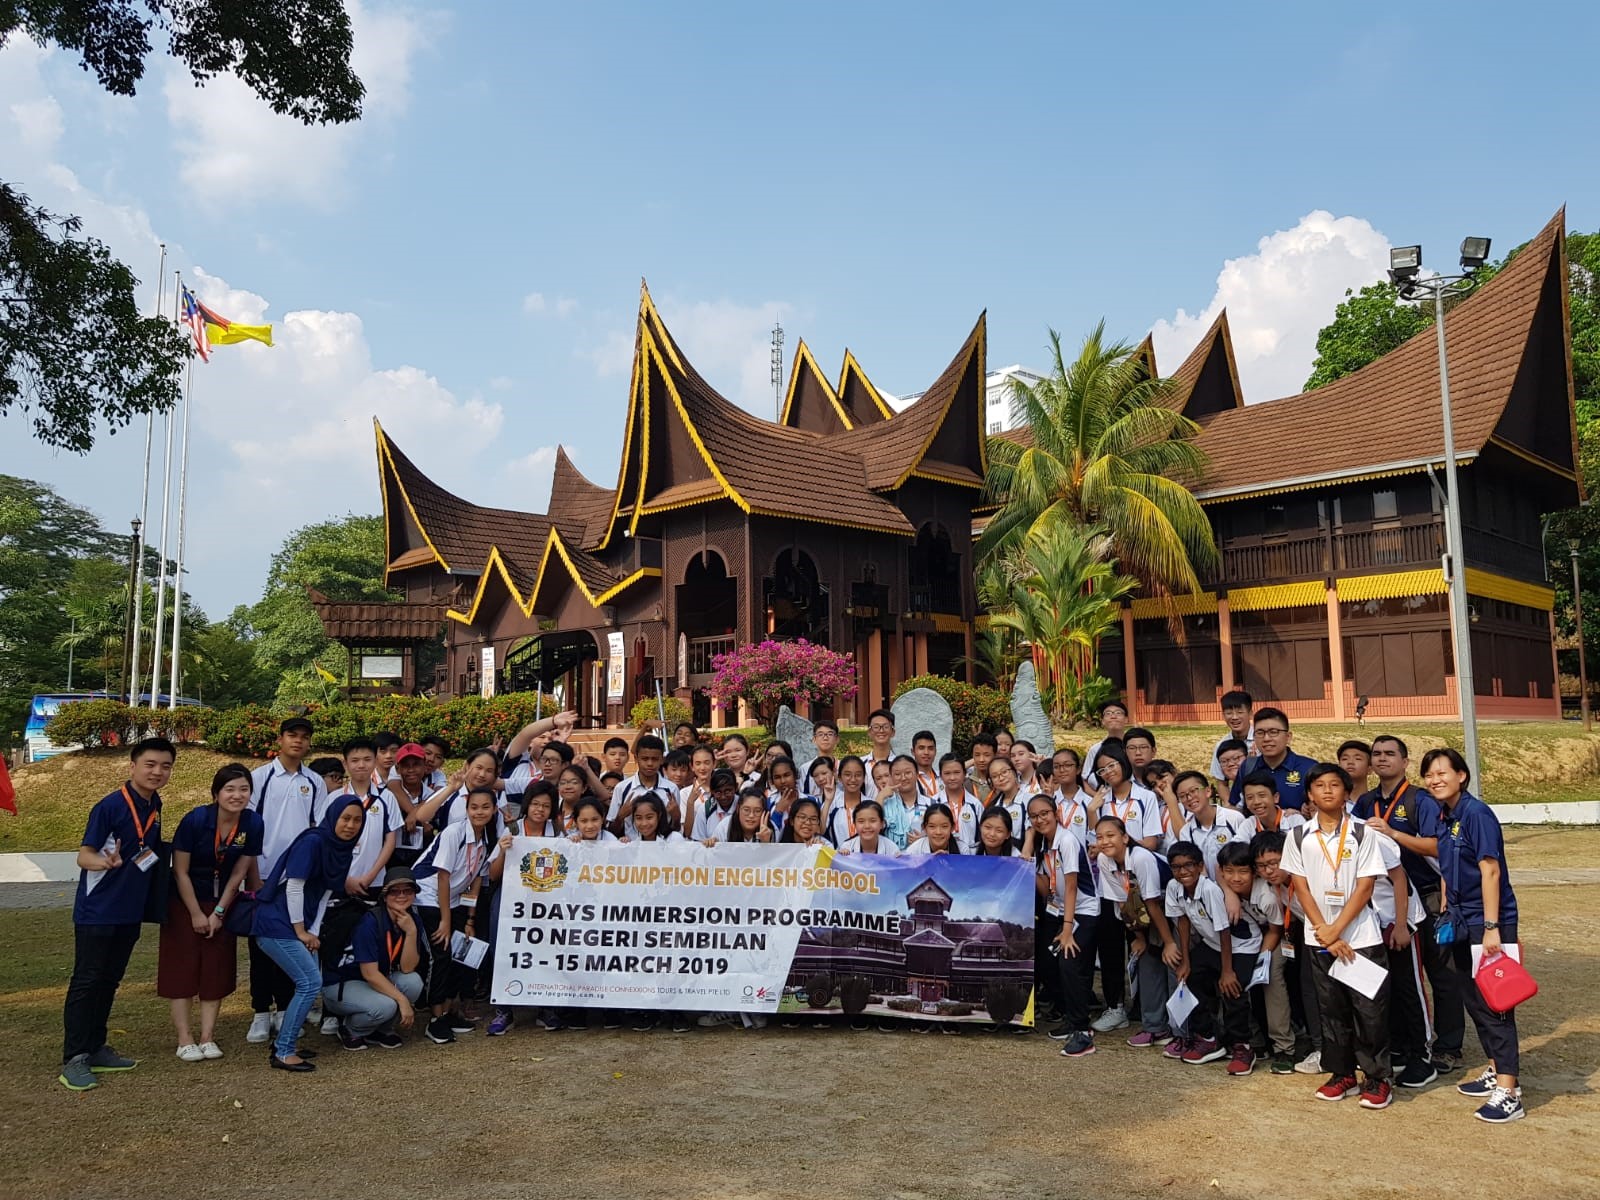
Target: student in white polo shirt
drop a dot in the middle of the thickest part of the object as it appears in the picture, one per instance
(289, 799)
(956, 795)
(1121, 797)
(1208, 826)
(1204, 945)
(648, 753)
(1131, 882)
(1335, 863)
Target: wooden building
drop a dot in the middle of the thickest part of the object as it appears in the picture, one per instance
(844, 522)
(1327, 513)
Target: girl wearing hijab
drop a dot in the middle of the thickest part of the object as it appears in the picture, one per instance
(289, 914)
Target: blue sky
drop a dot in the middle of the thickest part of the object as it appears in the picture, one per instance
(464, 264)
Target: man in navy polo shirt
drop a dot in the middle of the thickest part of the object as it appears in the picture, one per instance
(1273, 754)
(121, 845)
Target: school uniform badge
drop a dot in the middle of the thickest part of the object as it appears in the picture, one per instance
(1292, 777)
(544, 870)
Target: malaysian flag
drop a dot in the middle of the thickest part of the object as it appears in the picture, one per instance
(195, 317)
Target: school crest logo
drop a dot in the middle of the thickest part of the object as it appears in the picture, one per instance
(1292, 777)
(544, 870)
(1400, 812)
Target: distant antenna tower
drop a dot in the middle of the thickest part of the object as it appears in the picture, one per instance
(777, 370)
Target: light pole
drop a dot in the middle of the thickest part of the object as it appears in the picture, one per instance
(1573, 545)
(1405, 265)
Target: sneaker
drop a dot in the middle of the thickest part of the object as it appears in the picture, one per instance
(1242, 1063)
(1337, 1088)
(1062, 1033)
(260, 1029)
(611, 1020)
(1144, 1040)
(1446, 1062)
(210, 1050)
(1115, 1017)
(351, 1041)
(190, 1053)
(1502, 1107)
(439, 1031)
(1079, 1045)
(107, 1059)
(1417, 1074)
(1376, 1094)
(499, 1023)
(385, 1040)
(330, 1027)
(551, 1022)
(1311, 1064)
(716, 1020)
(461, 1023)
(1205, 1050)
(1283, 1066)
(681, 1022)
(1483, 1086)
(644, 1022)
(76, 1075)
(1176, 1048)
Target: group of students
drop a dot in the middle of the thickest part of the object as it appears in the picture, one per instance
(1233, 905)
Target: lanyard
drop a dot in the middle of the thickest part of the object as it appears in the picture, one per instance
(1338, 857)
(395, 943)
(1058, 884)
(1277, 819)
(1394, 802)
(1133, 807)
(142, 830)
(475, 854)
(1068, 810)
(220, 845)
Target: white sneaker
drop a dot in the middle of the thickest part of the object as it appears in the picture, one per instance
(1311, 1064)
(314, 1017)
(210, 1050)
(190, 1053)
(261, 1027)
(713, 1020)
(330, 1026)
(1112, 1018)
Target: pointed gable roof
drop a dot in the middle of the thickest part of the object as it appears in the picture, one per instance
(1505, 341)
(863, 402)
(1208, 380)
(811, 403)
(577, 506)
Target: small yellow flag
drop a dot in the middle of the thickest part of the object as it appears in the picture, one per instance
(233, 332)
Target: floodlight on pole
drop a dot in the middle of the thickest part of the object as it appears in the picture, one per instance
(1404, 263)
(1474, 253)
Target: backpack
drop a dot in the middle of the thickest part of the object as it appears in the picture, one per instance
(338, 928)
(1356, 827)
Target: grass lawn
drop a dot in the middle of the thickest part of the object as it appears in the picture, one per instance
(776, 1113)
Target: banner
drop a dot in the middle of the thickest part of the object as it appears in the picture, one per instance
(614, 666)
(766, 929)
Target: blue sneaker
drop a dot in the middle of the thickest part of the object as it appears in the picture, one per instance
(1480, 1088)
(1502, 1107)
(76, 1074)
(499, 1023)
(1079, 1045)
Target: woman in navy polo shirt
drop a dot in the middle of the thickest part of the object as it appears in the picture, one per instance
(1482, 909)
(289, 913)
(213, 855)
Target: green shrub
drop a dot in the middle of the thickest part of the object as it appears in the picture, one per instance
(974, 707)
(91, 723)
(250, 729)
(645, 713)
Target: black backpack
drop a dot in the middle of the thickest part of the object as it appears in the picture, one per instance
(338, 928)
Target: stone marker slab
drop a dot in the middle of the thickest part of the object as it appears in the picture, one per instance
(1030, 721)
(922, 708)
(796, 730)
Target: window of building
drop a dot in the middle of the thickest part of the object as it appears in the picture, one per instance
(1385, 505)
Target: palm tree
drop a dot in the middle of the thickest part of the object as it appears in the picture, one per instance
(1109, 448)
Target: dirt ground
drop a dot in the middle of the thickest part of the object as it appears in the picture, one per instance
(781, 1113)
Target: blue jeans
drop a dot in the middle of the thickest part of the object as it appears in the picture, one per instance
(302, 968)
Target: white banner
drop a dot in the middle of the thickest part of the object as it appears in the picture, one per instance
(614, 666)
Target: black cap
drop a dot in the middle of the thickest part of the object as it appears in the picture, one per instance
(293, 723)
(396, 875)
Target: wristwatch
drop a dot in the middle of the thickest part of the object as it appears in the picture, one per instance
(220, 911)
(1488, 925)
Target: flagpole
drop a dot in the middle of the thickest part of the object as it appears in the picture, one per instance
(166, 498)
(183, 504)
(144, 513)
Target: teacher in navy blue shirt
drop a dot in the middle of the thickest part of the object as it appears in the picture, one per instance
(121, 846)
(214, 853)
(1273, 754)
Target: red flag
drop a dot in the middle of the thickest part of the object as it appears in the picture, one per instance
(8, 793)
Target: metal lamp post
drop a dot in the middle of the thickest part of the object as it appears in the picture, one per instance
(1573, 545)
(1405, 265)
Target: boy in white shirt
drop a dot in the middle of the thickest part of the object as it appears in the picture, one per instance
(1261, 913)
(1260, 790)
(1410, 1030)
(962, 802)
(1335, 863)
(1204, 953)
(1206, 825)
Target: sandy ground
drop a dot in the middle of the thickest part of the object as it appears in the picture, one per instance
(780, 1113)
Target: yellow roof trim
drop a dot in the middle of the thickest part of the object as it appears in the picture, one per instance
(627, 434)
(694, 434)
(1277, 595)
(803, 354)
(1463, 458)
(1529, 456)
(1513, 591)
(949, 623)
(1187, 605)
(649, 510)
(937, 478)
(647, 312)
(850, 364)
(385, 458)
(1426, 582)
(789, 516)
(497, 564)
(916, 461)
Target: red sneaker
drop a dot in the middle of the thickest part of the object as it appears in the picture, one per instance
(1376, 1093)
(1338, 1087)
(1203, 1050)
(1243, 1060)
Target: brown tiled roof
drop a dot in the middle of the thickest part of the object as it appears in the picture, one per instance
(1208, 380)
(860, 398)
(578, 507)
(810, 402)
(378, 621)
(1387, 414)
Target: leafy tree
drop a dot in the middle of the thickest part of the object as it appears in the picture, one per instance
(1107, 450)
(1366, 325)
(220, 669)
(74, 349)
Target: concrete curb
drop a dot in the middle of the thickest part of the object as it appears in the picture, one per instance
(1574, 812)
(59, 867)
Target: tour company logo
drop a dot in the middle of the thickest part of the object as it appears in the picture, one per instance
(544, 870)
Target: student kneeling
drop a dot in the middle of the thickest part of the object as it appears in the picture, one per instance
(377, 982)
(1208, 964)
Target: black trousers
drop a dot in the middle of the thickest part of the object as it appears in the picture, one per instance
(1301, 981)
(1046, 977)
(100, 959)
(1205, 978)
(270, 985)
(1355, 1030)
(1449, 1013)
(1076, 975)
(448, 980)
(1496, 1030)
(1111, 937)
(1408, 1013)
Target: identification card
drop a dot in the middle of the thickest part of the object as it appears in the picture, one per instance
(1332, 902)
(145, 859)
(1053, 909)
(1288, 949)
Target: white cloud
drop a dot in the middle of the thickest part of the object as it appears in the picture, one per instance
(612, 356)
(39, 122)
(731, 345)
(1277, 299)
(525, 480)
(536, 304)
(233, 148)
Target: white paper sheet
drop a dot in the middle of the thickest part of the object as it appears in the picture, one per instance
(1512, 950)
(1133, 977)
(1360, 973)
(1181, 1003)
(1263, 972)
(467, 951)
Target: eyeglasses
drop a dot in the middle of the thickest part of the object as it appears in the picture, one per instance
(1269, 731)
(401, 891)
(880, 727)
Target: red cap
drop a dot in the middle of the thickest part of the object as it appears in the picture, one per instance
(410, 750)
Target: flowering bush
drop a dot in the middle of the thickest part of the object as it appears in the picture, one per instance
(113, 723)
(771, 673)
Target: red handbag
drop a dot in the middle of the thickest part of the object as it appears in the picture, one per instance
(1504, 982)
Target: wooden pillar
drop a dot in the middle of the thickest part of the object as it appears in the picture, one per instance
(920, 652)
(1555, 672)
(897, 665)
(1336, 654)
(746, 717)
(802, 708)
(719, 715)
(1130, 672)
(971, 652)
(1225, 635)
(873, 689)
